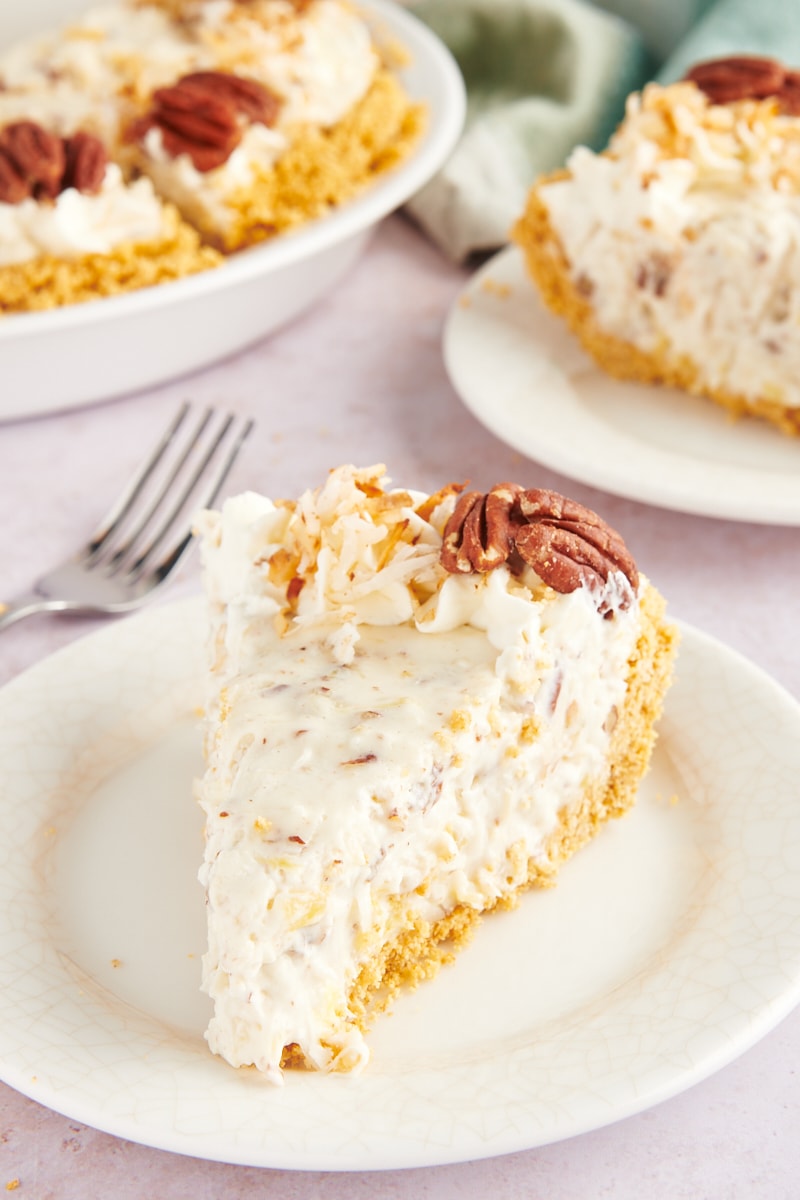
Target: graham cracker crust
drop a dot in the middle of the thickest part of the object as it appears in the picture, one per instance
(550, 269)
(49, 282)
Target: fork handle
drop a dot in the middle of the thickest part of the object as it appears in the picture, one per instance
(25, 606)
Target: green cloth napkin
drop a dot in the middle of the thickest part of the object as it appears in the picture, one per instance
(742, 27)
(542, 76)
(662, 23)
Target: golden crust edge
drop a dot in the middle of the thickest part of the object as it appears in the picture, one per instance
(48, 282)
(550, 269)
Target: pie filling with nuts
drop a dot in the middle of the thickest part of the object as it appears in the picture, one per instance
(158, 135)
(418, 707)
(675, 255)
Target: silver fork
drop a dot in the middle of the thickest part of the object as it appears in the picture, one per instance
(147, 533)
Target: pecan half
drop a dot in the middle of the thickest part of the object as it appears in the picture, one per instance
(747, 77)
(540, 507)
(37, 155)
(789, 95)
(86, 162)
(203, 114)
(194, 121)
(14, 188)
(564, 559)
(479, 534)
(565, 543)
(250, 98)
(34, 162)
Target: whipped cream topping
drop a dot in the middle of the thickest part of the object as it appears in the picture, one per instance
(686, 234)
(75, 223)
(384, 743)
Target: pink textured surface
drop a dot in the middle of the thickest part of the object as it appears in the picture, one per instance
(360, 379)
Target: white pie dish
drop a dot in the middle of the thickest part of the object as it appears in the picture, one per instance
(88, 352)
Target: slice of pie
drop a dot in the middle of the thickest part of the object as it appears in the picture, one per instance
(419, 707)
(674, 256)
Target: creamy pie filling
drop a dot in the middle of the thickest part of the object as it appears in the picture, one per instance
(397, 743)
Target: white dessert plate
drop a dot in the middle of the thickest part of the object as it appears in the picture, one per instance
(671, 944)
(521, 372)
(88, 352)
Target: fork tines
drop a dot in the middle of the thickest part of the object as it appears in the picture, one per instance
(149, 527)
